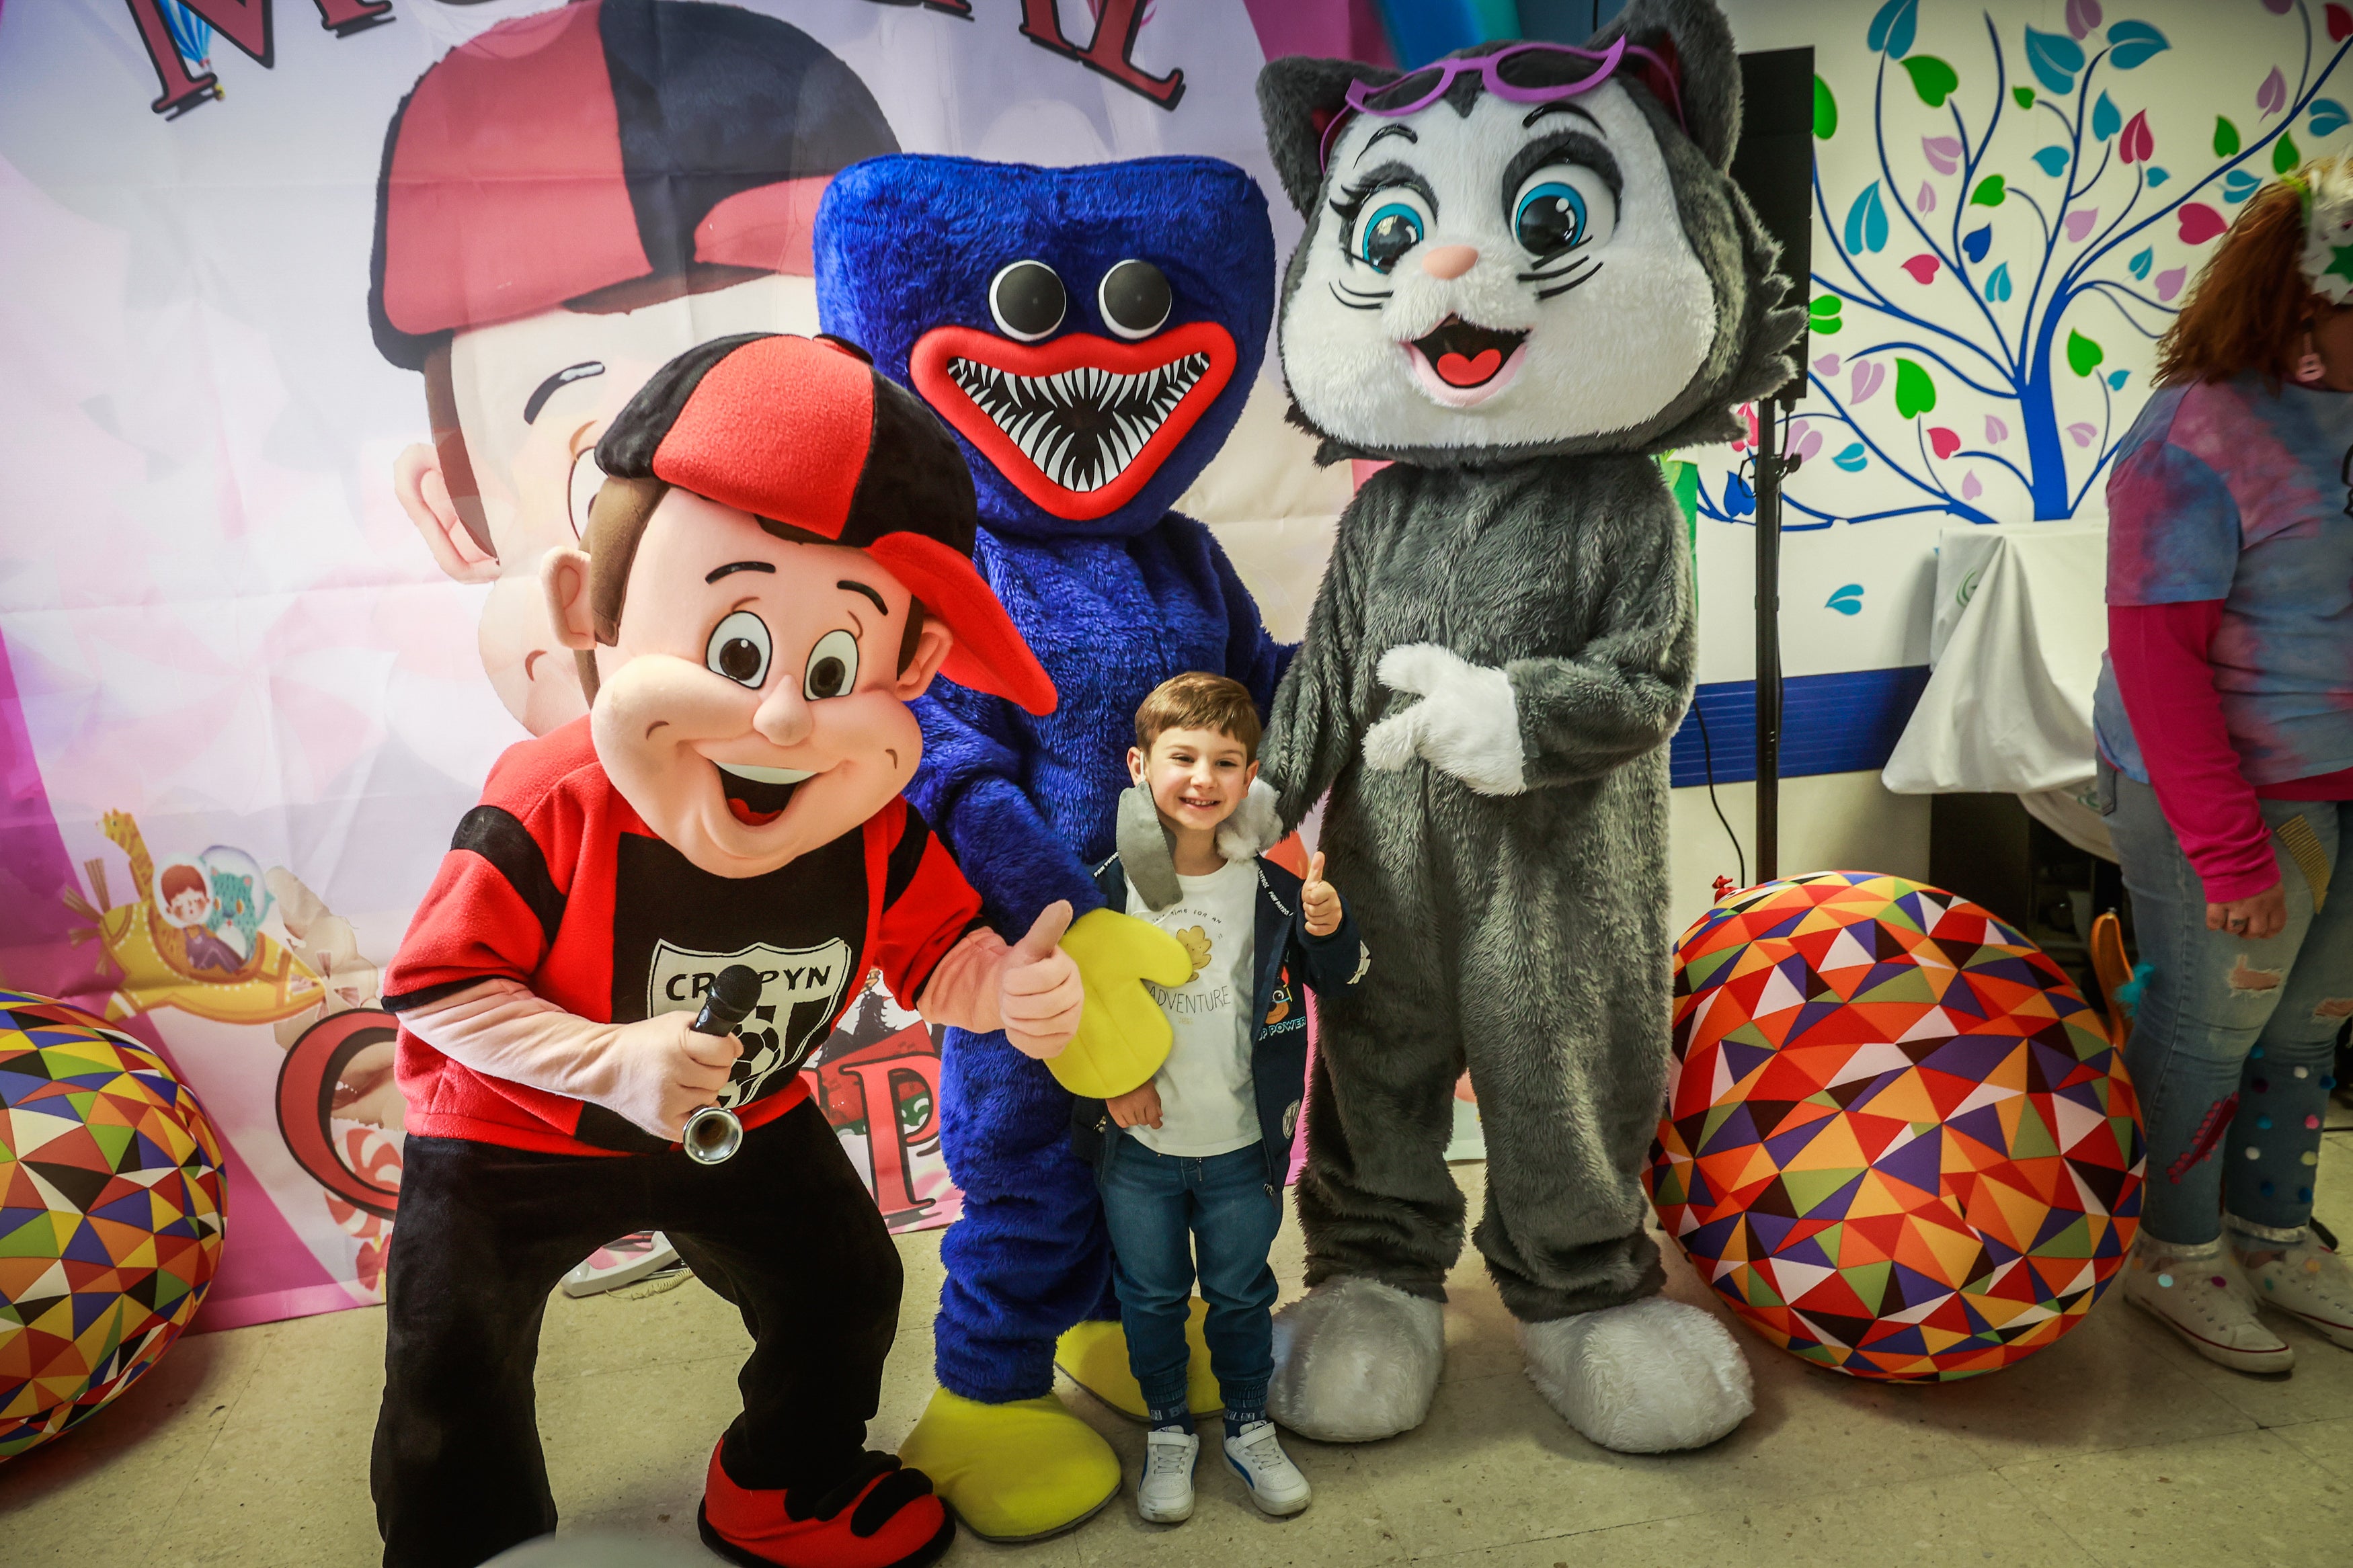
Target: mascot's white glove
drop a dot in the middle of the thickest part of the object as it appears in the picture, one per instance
(1467, 722)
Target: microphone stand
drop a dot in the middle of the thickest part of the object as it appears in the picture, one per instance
(1772, 467)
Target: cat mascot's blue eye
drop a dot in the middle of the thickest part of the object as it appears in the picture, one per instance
(1389, 225)
(1561, 207)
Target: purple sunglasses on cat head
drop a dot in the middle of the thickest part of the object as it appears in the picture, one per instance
(1514, 73)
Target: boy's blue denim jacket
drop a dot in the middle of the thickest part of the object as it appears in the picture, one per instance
(1285, 955)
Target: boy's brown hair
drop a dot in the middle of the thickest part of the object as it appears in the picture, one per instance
(1199, 701)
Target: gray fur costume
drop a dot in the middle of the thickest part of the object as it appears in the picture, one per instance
(1502, 644)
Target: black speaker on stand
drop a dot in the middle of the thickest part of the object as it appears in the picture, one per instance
(1774, 167)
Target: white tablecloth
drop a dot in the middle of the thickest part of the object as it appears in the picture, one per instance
(2021, 623)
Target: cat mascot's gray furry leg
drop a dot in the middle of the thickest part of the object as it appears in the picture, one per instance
(1518, 308)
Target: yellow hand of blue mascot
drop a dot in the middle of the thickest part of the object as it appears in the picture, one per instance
(1123, 1035)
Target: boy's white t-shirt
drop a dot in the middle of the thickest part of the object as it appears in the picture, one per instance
(1207, 1103)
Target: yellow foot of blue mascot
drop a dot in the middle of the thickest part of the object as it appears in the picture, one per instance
(1089, 334)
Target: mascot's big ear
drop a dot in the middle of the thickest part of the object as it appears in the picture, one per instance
(1696, 41)
(1299, 98)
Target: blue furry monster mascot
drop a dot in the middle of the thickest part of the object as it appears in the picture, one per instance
(1090, 334)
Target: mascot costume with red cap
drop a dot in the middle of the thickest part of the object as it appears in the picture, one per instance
(780, 561)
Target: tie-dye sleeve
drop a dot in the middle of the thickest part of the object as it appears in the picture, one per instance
(2173, 526)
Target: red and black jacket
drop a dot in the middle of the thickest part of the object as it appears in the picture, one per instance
(555, 881)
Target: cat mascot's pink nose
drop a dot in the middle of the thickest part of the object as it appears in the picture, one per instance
(1449, 260)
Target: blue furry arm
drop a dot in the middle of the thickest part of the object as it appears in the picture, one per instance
(1253, 656)
(968, 788)
(1623, 693)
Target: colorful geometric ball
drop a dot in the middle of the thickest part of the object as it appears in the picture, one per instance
(1898, 1141)
(111, 1208)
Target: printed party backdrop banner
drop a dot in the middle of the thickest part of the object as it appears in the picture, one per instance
(314, 310)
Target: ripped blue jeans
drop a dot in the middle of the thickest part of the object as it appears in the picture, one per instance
(2234, 1039)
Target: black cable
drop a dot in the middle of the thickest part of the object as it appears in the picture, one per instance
(1707, 758)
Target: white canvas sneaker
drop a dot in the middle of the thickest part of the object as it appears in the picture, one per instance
(622, 1262)
(2307, 1281)
(1164, 1494)
(1275, 1484)
(2196, 1292)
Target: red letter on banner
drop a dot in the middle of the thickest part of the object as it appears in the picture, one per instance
(1116, 24)
(246, 23)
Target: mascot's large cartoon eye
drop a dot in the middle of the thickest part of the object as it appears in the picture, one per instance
(738, 649)
(1027, 300)
(832, 667)
(1560, 207)
(1135, 299)
(1391, 222)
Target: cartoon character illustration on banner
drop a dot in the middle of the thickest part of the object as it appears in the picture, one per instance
(1090, 334)
(192, 936)
(709, 132)
(779, 563)
(1525, 273)
(213, 935)
(629, 177)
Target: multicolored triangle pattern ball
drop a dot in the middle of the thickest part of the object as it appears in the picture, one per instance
(1898, 1141)
(111, 1208)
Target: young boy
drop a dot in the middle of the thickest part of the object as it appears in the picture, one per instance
(779, 564)
(1202, 1149)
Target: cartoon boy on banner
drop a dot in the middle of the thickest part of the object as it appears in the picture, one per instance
(567, 201)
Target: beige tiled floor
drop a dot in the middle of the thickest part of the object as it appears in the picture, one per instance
(2117, 1447)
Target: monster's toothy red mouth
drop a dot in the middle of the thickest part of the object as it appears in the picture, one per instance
(1466, 357)
(1080, 424)
(757, 796)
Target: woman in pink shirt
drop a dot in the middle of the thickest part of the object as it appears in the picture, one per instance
(2225, 719)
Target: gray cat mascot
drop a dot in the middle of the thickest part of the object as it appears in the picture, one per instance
(1525, 273)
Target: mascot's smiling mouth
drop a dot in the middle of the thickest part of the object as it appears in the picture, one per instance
(1460, 365)
(757, 796)
(1080, 423)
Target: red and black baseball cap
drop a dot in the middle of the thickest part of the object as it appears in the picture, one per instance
(801, 432)
(598, 144)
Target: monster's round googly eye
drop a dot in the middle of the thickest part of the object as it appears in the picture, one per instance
(1560, 208)
(1027, 300)
(1135, 299)
(1390, 223)
(832, 667)
(738, 649)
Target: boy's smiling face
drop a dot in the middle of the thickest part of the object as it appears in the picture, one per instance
(752, 707)
(1197, 777)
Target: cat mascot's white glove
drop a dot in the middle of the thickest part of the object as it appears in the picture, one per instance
(1467, 722)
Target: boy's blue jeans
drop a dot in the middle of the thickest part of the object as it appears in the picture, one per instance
(1164, 1209)
(2233, 1041)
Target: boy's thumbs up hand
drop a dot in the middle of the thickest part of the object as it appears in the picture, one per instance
(1039, 995)
(1123, 1036)
(1321, 898)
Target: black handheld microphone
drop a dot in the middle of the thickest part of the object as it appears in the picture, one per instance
(714, 1133)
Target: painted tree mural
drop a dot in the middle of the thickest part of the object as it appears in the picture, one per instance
(2016, 217)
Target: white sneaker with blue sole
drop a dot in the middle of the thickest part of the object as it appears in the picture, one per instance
(1165, 1494)
(1275, 1484)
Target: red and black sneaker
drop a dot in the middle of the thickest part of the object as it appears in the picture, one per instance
(882, 1515)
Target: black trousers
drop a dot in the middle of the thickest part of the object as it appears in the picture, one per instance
(785, 1231)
